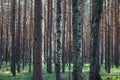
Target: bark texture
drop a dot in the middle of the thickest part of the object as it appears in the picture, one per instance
(58, 38)
(77, 39)
(37, 45)
(94, 56)
(13, 55)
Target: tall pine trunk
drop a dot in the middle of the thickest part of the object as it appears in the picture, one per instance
(77, 39)
(37, 44)
(94, 57)
(24, 34)
(13, 55)
(63, 35)
(30, 36)
(1, 34)
(49, 62)
(58, 38)
(18, 38)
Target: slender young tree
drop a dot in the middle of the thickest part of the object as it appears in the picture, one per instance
(63, 34)
(77, 39)
(1, 34)
(109, 26)
(30, 36)
(70, 49)
(94, 61)
(7, 33)
(50, 7)
(18, 37)
(44, 34)
(13, 57)
(7, 26)
(106, 37)
(25, 32)
(37, 44)
(117, 29)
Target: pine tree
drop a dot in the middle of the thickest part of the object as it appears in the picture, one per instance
(94, 57)
(37, 46)
(13, 55)
(58, 38)
(77, 39)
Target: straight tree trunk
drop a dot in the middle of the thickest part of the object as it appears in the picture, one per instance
(83, 41)
(112, 25)
(106, 37)
(109, 26)
(58, 38)
(24, 34)
(30, 36)
(77, 39)
(70, 53)
(13, 55)
(18, 38)
(50, 35)
(117, 33)
(7, 35)
(94, 62)
(37, 44)
(1, 34)
(45, 32)
(63, 35)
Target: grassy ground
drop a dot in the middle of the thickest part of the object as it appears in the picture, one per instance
(5, 74)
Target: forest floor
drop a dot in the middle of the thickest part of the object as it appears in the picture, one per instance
(5, 74)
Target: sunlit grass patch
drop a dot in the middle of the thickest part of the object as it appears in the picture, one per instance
(5, 74)
(112, 77)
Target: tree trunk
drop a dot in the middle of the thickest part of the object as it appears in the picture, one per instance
(30, 36)
(77, 39)
(94, 62)
(18, 38)
(1, 34)
(63, 35)
(117, 33)
(37, 44)
(13, 55)
(25, 31)
(70, 53)
(58, 38)
(50, 35)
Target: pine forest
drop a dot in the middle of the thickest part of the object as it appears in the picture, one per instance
(59, 39)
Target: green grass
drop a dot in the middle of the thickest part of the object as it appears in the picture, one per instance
(114, 75)
(5, 73)
(53, 76)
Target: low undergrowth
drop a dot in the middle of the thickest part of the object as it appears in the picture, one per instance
(5, 74)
